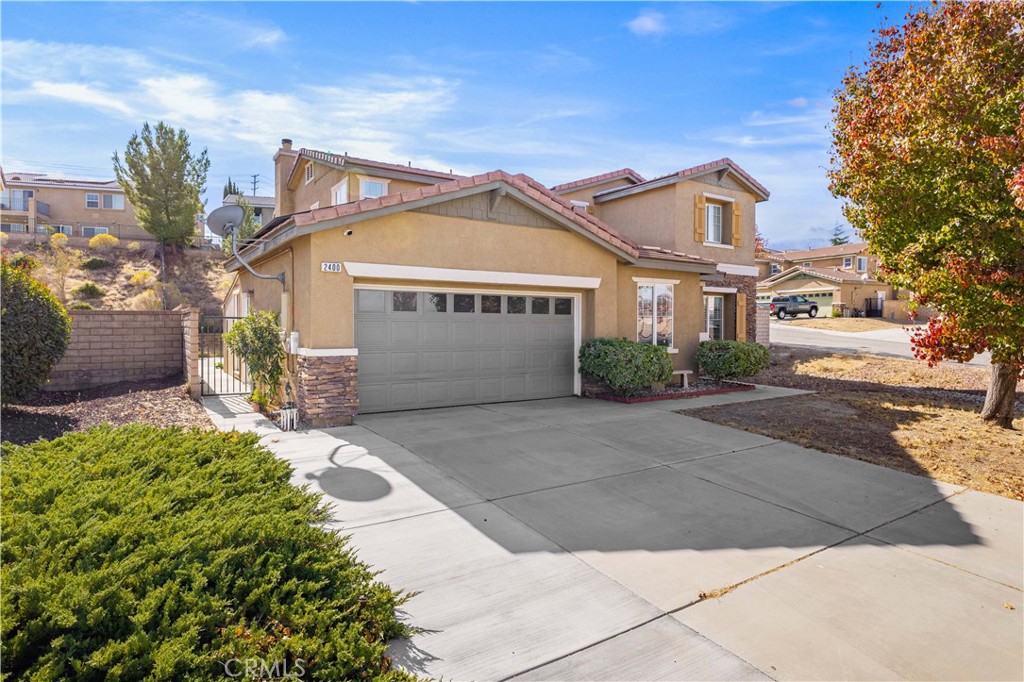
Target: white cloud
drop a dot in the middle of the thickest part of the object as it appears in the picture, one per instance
(80, 93)
(648, 23)
(799, 102)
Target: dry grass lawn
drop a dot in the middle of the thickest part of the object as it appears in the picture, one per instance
(888, 411)
(843, 324)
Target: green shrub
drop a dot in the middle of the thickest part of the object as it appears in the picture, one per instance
(81, 305)
(837, 311)
(36, 332)
(138, 553)
(257, 340)
(89, 290)
(627, 367)
(96, 263)
(731, 359)
(103, 243)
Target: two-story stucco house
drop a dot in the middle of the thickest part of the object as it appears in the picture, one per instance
(833, 276)
(407, 288)
(32, 205)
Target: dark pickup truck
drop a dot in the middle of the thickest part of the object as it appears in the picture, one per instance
(784, 306)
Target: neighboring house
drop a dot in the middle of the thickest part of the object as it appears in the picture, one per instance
(262, 207)
(830, 275)
(410, 288)
(33, 205)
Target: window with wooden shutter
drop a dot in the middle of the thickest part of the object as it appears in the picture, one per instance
(741, 317)
(699, 211)
(737, 224)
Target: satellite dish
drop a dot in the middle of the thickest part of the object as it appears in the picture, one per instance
(225, 220)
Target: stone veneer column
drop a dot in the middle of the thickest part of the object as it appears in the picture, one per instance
(747, 285)
(327, 389)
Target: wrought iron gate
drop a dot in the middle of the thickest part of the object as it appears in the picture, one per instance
(220, 371)
(872, 307)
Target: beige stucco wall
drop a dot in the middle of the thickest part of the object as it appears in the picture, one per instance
(67, 207)
(325, 178)
(686, 191)
(649, 218)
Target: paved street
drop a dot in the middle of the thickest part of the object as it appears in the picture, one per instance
(572, 539)
(882, 342)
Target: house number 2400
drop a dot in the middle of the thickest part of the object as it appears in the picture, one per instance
(330, 267)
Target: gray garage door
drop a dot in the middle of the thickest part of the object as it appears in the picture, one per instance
(434, 349)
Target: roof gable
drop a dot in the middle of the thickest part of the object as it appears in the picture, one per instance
(356, 164)
(723, 166)
(629, 175)
(815, 273)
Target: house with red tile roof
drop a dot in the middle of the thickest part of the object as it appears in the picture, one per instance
(403, 287)
(839, 276)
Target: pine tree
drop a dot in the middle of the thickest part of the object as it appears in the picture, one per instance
(231, 188)
(839, 236)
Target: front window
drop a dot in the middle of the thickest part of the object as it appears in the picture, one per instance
(92, 200)
(371, 189)
(806, 264)
(654, 316)
(776, 268)
(714, 306)
(89, 231)
(309, 173)
(16, 199)
(862, 264)
(848, 262)
(113, 202)
(713, 229)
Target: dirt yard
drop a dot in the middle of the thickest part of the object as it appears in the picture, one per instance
(51, 414)
(843, 324)
(888, 411)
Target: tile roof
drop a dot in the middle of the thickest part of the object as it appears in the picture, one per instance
(525, 184)
(825, 273)
(604, 177)
(41, 179)
(345, 159)
(824, 251)
(695, 171)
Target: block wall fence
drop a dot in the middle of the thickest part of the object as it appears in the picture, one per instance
(108, 346)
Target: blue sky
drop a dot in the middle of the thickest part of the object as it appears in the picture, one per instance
(555, 90)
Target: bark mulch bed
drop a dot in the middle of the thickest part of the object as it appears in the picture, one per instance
(888, 411)
(159, 402)
(675, 392)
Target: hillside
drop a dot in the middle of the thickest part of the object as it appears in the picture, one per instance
(129, 279)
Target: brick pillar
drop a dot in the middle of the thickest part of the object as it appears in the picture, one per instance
(748, 286)
(327, 389)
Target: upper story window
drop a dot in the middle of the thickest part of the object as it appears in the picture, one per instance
(110, 202)
(776, 268)
(713, 224)
(309, 172)
(113, 202)
(654, 313)
(339, 193)
(806, 264)
(862, 264)
(371, 189)
(848, 262)
(16, 199)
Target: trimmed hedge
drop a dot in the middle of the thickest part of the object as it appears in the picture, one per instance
(138, 553)
(731, 359)
(627, 367)
(36, 333)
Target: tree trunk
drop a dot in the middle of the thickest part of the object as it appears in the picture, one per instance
(1002, 395)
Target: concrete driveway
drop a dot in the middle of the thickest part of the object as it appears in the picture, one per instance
(573, 539)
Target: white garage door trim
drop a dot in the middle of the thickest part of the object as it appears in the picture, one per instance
(577, 307)
(416, 272)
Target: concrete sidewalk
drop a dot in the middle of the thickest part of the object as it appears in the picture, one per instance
(573, 539)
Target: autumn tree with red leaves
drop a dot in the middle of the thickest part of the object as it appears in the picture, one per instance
(927, 152)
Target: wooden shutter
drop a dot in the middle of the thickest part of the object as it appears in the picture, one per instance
(699, 217)
(737, 224)
(741, 317)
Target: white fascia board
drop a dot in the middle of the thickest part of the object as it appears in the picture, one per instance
(327, 352)
(652, 280)
(719, 197)
(420, 273)
(744, 270)
(719, 290)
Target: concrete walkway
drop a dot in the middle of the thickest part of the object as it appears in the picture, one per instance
(573, 539)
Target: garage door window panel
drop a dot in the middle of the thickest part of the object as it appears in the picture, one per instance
(540, 306)
(516, 305)
(436, 303)
(563, 306)
(465, 303)
(404, 301)
(490, 304)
